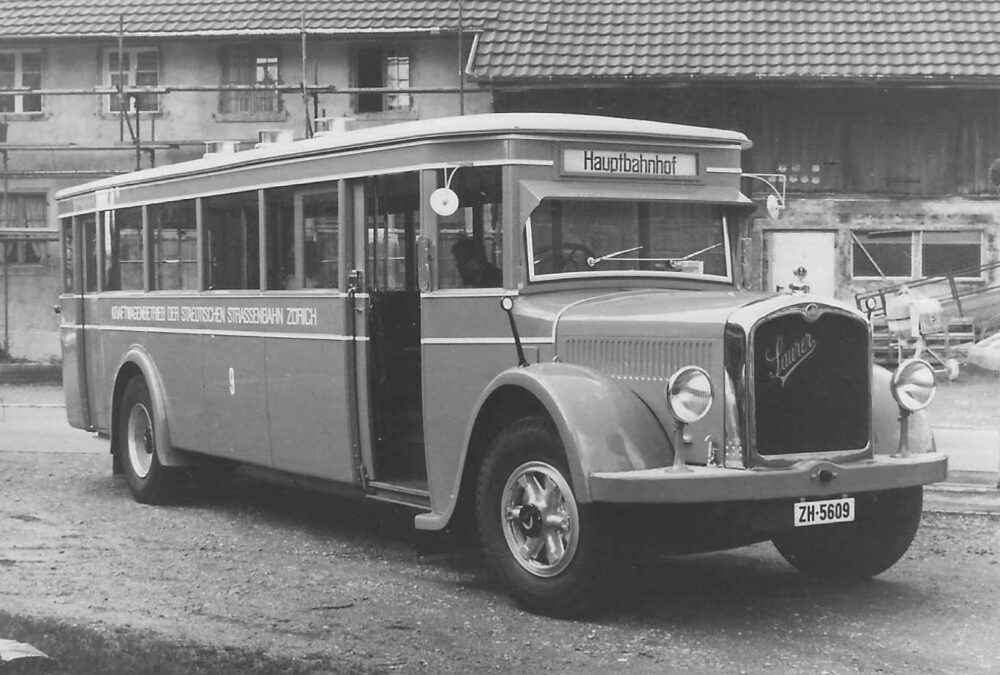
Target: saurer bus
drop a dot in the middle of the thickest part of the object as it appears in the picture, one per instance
(530, 326)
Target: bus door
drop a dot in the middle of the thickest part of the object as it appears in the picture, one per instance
(71, 308)
(387, 211)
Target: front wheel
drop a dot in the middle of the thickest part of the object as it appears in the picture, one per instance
(552, 553)
(148, 480)
(885, 527)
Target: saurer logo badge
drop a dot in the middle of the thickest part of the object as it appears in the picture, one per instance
(784, 359)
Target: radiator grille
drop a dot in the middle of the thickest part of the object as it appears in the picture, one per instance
(638, 360)
(811, 384)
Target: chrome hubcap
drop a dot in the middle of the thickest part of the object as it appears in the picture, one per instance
(541, 523)
(139, 440)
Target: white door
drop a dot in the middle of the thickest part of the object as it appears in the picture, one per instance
(815, 251)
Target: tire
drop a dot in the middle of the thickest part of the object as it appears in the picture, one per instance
(551, 553)
(148, 481)
(886, 523)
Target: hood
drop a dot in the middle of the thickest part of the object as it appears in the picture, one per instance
(651, 313)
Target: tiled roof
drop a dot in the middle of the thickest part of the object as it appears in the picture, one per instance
(563, 40)
(89, 18)
(766, 39)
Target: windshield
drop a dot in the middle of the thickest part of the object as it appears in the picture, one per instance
(572, 237)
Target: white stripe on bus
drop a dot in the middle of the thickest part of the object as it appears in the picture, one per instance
(328, 337)
(485, 341)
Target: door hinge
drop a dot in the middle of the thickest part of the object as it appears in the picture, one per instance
(360, 470)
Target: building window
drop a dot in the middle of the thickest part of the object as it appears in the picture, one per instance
(138, 67)
(252, 66)
(946, 252)
(23, 212)
(382, 68)
(20, 70)
(916, 254)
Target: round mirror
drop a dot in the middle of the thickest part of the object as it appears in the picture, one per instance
(444, 201)
(506, 303)
(774, 206)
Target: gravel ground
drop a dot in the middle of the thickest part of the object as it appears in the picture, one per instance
(339, 582)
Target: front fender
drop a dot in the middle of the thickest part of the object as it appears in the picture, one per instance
(604, 427)
(885, 419)
(138, 358)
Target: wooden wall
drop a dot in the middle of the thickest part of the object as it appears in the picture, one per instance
(927, 142)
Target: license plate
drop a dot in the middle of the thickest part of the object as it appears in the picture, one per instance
(824, 512)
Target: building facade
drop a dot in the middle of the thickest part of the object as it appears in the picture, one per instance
(90, 89)
(879, 115)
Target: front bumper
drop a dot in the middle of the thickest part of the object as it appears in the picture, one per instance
(704, 484)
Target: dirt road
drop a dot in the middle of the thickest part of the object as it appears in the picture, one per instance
(299, 574)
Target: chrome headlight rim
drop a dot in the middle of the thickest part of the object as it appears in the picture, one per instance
(687, 384)
(910, 375)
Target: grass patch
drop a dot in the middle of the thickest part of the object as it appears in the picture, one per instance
(80, 650)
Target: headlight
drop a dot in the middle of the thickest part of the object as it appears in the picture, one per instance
(913, 385)
(689, 394)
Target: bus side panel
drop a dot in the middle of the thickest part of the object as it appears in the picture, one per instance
(112, 344)
(178, 362)
(308, 406)
(455, 375)
(235, 398)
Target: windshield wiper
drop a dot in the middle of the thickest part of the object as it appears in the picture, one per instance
(674, 261)
(592, 261)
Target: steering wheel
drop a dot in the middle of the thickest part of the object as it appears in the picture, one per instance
(569, 257)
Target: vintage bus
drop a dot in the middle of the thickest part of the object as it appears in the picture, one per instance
(531, 325)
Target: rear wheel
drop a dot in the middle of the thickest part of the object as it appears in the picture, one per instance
(551, 552)
(148, 481)
(885, 527)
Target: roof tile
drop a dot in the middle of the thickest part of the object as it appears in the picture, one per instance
(665, 39)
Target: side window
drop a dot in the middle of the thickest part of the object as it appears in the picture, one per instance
(321, 228)
(123, 259)
(303, 230)
(68, 254)
(231, 241)
(174, 236)
(392, 221)
(280, 212)
(89, 231)
(470, 240)
(387, 67)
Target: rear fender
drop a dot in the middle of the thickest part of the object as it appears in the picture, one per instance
(135, 362)
(885, 419)
(603, 426)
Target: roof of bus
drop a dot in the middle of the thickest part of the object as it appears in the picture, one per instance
(421, 130)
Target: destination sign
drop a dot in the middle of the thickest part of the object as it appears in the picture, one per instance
(630, 163)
